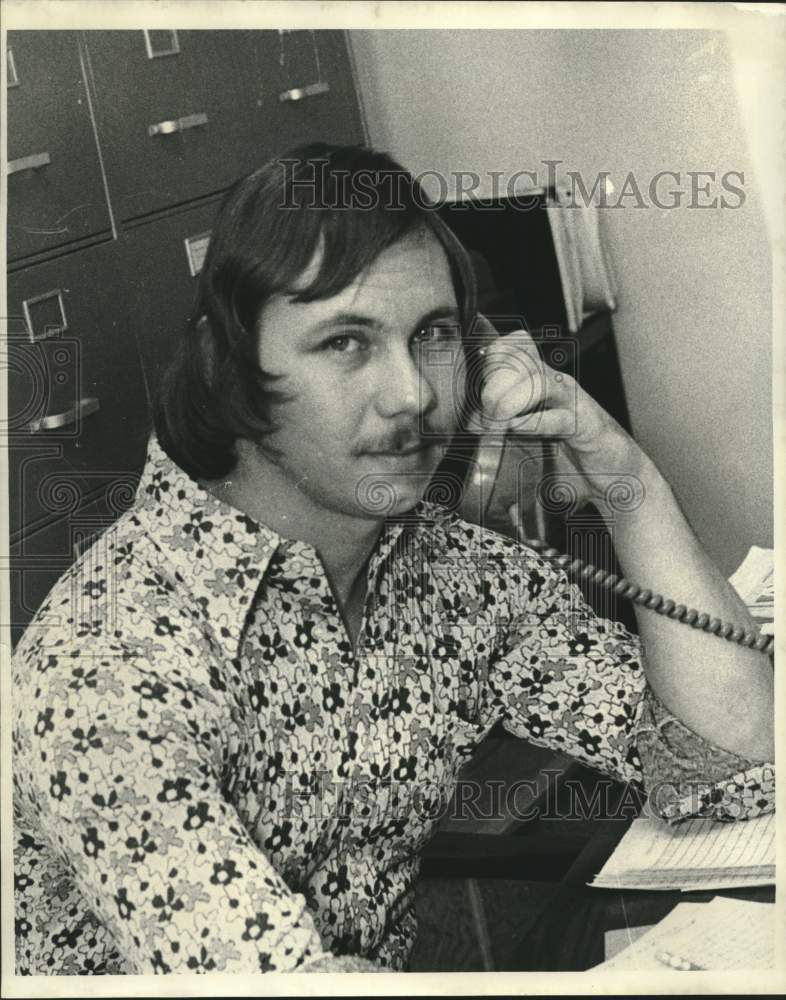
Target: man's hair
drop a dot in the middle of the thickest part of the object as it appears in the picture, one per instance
(348, 201)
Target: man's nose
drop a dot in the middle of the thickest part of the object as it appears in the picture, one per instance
(403, 385)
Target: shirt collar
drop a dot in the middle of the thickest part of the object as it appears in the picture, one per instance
(217, 551)
(222, 554)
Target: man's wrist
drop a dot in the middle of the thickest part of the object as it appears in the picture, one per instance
(632, 483)
(644, 496)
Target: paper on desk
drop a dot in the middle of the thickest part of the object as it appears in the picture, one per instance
(697, 854)
(617, 940)
(724, 934)
(754, 579)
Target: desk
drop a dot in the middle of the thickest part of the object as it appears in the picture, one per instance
(519, 900)
(570, 930)
(537, 912)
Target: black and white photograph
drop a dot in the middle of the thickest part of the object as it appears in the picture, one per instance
(388, 584)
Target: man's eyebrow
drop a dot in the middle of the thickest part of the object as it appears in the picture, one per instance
(343, 319)
(450, 312)
(350, 319)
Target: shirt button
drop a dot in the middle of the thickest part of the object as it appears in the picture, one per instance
(319, 632)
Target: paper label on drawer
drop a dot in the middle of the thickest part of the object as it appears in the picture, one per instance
(196, 248)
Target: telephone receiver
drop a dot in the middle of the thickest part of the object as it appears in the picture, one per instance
(484, 484)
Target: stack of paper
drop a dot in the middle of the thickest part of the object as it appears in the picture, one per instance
(723, 934)
(697, 854)
(597, 279)
(754, 581)
(585, 274)
(567, 262)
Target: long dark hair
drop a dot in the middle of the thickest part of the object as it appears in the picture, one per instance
(352, 202)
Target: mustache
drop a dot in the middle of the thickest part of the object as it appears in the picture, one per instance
(406, 439)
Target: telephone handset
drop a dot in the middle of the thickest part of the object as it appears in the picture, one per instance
(478, 490)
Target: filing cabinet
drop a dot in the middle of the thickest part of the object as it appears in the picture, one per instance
(121, 146)
(183, 116)
(314, 96)
(78, 418)
(163, 260)
(55, 191)
(174, 121)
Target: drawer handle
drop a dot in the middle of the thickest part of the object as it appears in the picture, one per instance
(33, 162)
(12, 77)
(177, 124)
(298, 93)
(83, 408)
(49, 330)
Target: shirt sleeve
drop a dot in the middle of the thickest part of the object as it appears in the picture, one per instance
(125, 774)
(687, 776)
(570, 680)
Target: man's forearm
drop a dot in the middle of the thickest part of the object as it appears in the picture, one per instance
(722, 691)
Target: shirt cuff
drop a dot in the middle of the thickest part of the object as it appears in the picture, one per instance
(686, 776)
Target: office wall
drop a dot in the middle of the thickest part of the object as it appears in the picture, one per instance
(693, 326)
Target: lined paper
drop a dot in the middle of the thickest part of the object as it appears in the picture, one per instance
(724, 934)
(699, 853)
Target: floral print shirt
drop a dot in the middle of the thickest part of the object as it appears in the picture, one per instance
(209, 776)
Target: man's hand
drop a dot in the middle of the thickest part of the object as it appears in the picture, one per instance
(523, 395)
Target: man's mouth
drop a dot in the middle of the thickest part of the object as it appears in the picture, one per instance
(397, 449)
(402, 452)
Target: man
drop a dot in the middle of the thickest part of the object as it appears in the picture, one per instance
(265, 676)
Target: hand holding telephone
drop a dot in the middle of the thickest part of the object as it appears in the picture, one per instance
(512, 398)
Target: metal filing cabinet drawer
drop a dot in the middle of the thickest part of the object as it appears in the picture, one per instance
(184, 114)
(78, 422)
(313, 95)
(55, 190)
(163, 259)
(173, 117)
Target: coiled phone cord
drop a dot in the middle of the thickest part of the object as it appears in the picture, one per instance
(654, 602)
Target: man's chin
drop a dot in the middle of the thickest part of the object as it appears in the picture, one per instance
(387, 495)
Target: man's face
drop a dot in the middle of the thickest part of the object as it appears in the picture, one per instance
(374, 380)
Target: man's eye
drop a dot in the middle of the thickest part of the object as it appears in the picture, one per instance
(435, 332)
(343, 344)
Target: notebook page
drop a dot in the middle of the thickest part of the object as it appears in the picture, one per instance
(664, 882)
(732, 934)
(701, 844)
(693, 882)
(640, 955)
(726, 882)
(697, 846)
(616, 941)
(724, 934)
